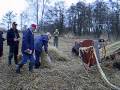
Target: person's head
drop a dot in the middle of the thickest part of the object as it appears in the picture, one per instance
(77, 41)
(14, 25)
(33, 27)
(49, 35)
(56, 30)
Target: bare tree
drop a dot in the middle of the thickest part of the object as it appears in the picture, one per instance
(37, 8)
(9, 18)
(43, 10)
(24, 18)
(55, 15)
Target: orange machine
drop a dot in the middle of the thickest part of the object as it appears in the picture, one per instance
(86, 52)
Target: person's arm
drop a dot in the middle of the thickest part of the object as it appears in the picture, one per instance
(53, 34)
(3, 39)
(18, 36)
(31, 41)
(10, 37)
(25, 40)
(46, 46)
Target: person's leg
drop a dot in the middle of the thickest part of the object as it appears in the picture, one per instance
(73, 50)
(16, 54)
(37, 58)
(57, 42)
(1, 59)
(1, 54)
(54, 42)
(24, 61)
(11, 52)
(32, 63)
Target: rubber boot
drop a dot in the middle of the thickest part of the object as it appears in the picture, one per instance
(9, 60)
(31, 66)
(37, 65)
(18, 68)
(16, 61)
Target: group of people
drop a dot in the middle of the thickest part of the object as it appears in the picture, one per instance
(32, 46)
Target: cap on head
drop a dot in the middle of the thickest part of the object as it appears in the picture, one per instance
(14, 23)
(33, 25)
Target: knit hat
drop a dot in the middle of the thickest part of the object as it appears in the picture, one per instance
(33, 25)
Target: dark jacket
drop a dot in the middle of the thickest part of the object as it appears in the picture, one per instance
(1, 39)
(27, 41)
(75, 49)
(11, 34)
(41, 41)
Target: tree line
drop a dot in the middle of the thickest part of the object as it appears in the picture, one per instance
(85, 19)
(79, 19)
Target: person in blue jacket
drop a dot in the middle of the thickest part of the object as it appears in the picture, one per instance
(40, 42)
(27, 48)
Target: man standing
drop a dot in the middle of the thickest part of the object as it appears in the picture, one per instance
(1, 44)
(13, 38)
(56, 34)
(75, 48)
(27, 48)
(39, 42)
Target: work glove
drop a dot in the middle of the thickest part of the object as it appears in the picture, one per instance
(16, 39)
(28, 51)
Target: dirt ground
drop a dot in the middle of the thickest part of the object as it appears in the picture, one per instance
(64, 75)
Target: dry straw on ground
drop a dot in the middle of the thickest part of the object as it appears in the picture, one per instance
(66, 74)
(55, 54)
(45, 60)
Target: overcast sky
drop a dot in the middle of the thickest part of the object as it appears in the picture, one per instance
(15, 5)
(19, 5)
